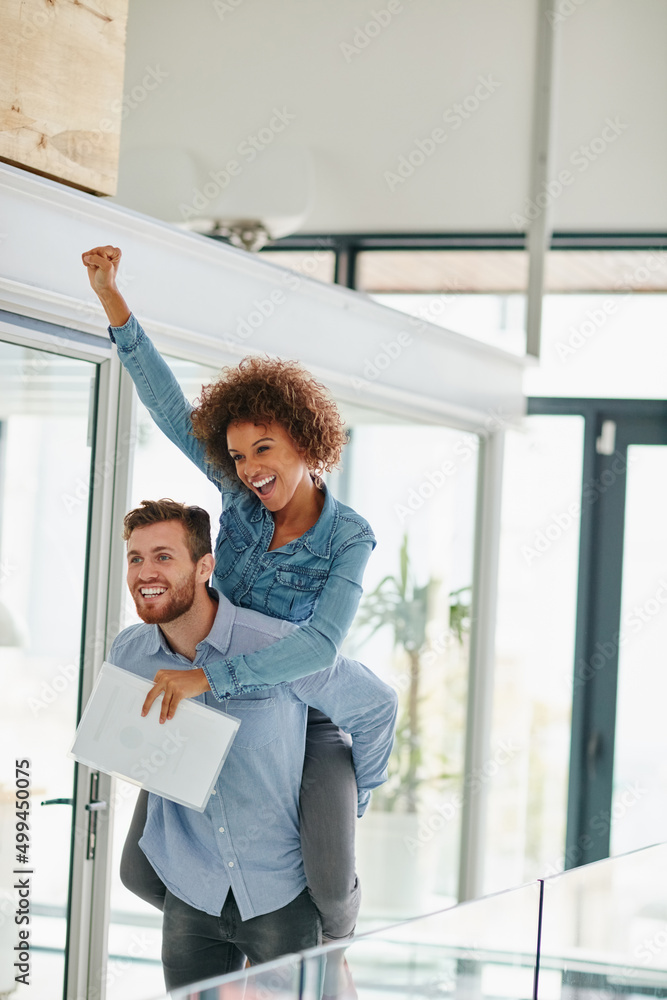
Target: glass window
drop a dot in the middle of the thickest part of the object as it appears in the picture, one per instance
(416, 486)
(159, 470)
(639, 803)
(590, 271)
(478, 293)
(45, 470)
(603, 324)
(537, 600)
(318, 263)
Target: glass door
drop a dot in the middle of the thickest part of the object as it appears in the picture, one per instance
(639, 793)
(46, 420)
(618, 774)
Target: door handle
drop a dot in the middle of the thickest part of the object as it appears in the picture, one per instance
(57, 802)
(593, 749)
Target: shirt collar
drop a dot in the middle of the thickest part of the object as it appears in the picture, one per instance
(219, 637)
(317, 539)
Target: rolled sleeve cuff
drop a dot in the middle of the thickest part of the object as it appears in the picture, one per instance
(363, 798)
(222, 679)
(127, 336)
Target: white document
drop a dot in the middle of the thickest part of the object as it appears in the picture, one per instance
(180, 760)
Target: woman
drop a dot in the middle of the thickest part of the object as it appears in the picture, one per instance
(264, 433)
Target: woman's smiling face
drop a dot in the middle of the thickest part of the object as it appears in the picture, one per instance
(268, 462)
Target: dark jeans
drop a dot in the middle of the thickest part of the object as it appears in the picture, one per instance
(197, 946)
(328, 818)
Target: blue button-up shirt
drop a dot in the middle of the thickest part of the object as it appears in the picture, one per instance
(247, 838)
(314, 580)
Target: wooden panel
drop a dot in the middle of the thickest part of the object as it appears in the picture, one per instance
(61, 89)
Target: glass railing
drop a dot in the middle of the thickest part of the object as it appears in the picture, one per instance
(587, 934)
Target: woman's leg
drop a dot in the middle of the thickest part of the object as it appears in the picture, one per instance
(328, 814)
(136, 872)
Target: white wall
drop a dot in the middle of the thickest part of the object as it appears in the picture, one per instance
(211, 303)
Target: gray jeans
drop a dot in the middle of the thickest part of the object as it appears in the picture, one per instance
(327, 812)
(197, 946)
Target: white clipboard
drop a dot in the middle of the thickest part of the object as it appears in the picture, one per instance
(180, 760)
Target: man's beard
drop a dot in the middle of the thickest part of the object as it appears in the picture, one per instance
(180, 600)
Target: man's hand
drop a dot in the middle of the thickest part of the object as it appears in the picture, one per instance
(174, 685)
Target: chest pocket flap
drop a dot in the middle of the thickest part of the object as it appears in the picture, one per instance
(259, 722)
(293, 593)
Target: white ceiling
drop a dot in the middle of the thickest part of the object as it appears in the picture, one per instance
(219, 68)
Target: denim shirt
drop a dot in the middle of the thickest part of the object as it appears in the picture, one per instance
(313, 581)
(247, 838)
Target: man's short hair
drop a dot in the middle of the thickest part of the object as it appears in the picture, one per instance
(195, 521)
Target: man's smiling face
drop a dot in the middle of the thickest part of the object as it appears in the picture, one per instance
(161, 574)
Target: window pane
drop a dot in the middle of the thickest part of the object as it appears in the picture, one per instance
(45, 458)
(159, 470)
(608, 346)
(453, 271)
(639, 803)
(478, 293)
(606, 271)
(416, 486)
(534, 650)
(319, 264)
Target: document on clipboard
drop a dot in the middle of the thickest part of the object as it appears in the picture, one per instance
(180, 760)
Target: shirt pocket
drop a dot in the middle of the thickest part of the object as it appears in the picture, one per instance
(293, 593)
(259, 722)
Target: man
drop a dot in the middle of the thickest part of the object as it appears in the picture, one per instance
(234, 873)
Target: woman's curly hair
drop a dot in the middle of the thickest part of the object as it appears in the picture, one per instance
(260, 390)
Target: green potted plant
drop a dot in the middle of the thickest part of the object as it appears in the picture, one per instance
(398, 603)
(405, 607)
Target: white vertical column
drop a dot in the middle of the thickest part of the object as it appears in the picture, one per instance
(482, 662)
(539, 231)
(91, 879)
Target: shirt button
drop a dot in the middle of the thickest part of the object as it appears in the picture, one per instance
(221, 829)
(213, 792)
(231, 864)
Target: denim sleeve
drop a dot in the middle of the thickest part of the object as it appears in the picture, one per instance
(357, 700)
(161, 394)
(311, 647)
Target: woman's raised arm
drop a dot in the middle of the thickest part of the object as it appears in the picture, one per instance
(307, 648)
(154, 380)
